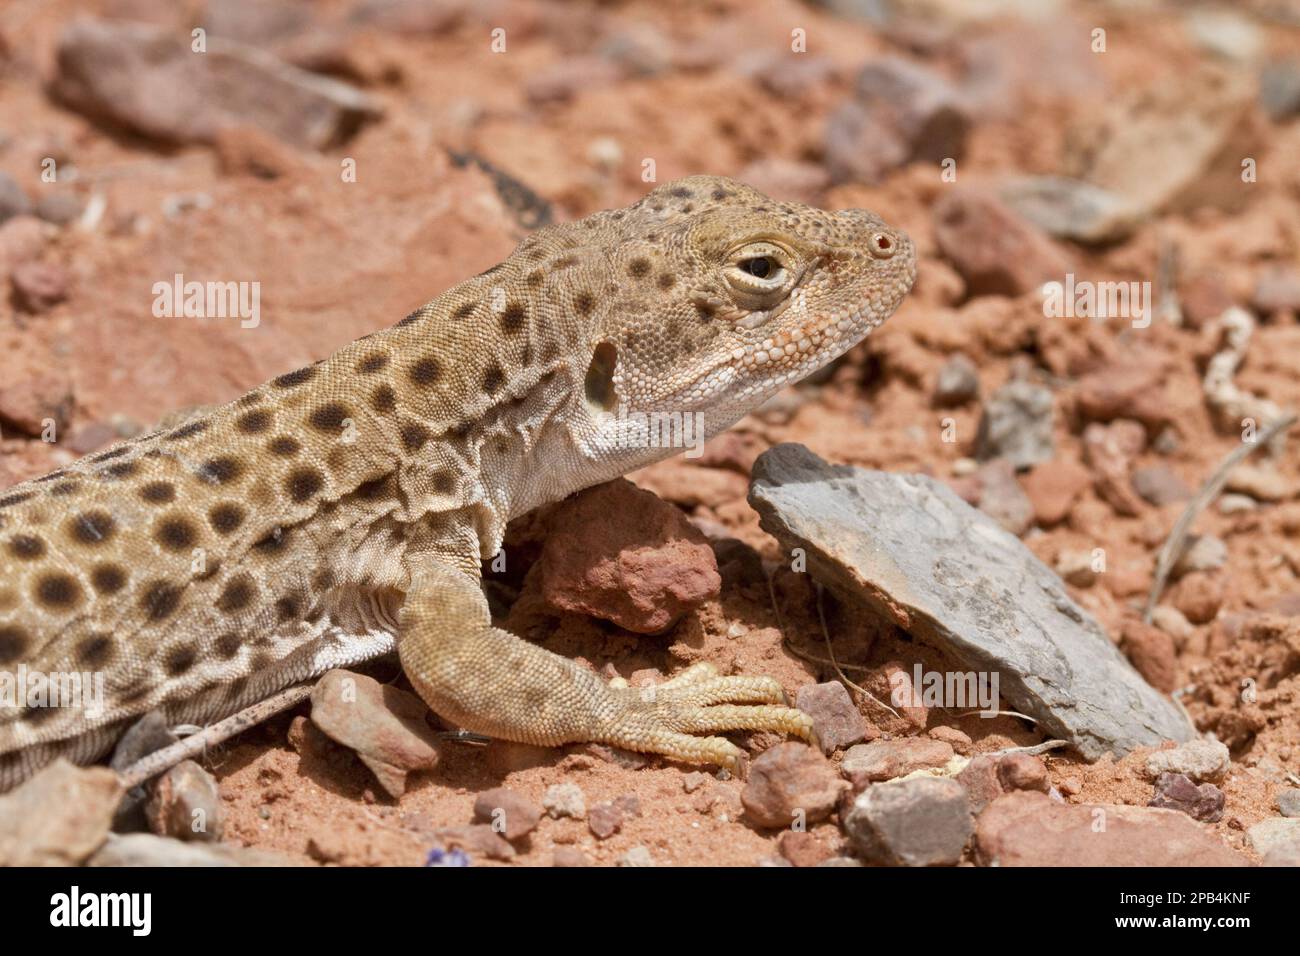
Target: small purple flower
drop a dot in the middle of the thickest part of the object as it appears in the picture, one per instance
(440, 857)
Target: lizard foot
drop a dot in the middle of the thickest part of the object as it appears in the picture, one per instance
(664, 718)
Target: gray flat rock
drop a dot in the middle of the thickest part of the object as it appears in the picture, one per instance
(947, 574)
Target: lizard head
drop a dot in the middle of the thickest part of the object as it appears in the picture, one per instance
(722, 296)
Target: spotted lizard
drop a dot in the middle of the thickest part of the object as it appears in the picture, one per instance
(342, 511)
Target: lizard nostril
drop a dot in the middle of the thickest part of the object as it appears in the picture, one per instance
(882, 245)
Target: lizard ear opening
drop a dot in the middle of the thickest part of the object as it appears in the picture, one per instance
(600, 377)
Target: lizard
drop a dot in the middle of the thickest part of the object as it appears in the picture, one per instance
(341, 511)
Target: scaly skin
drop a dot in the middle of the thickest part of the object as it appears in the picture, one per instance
(342, 510)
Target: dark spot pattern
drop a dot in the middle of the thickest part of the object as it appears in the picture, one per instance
(158, 492)
(221, 470)
(329, 417)
(254, 422)
(160, 600)
(187, 431)
(57, 590)
(108, 578)
(294, 379)
(493, 379)
(92, 527)
(584, 303)
(225, 517)
(180, 659)
(94, 650)
(425, 371)
(303, 483)
(284, 446)
(26, 547)
(384, 399)
(175, 533)
(414, 436)
(110, 454)
(639, 267)
(372, 363)
(14, 642)
(513, 317)
(227, 645)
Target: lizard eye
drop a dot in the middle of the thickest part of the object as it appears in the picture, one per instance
(758, 269)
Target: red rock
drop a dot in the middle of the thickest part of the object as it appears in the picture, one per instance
(1109, 451)
(980, 778)
(955, 738)
(604, 820)
(1053, 487)
(21, 240)
(790, 782)
(384, 725)
(836, 718)
(248, 151)
(39, 286)
(1022, 771)
(1132, 387)
(902, 695)
(59, 817)
(802, 848)
(512, 815)
(925, 821)
(902, 113)
(621, 554)
(569, 856)
(1031, 829)
(30, 396)
(186, 804)
(1002, 498)
(146, 79)
(478, 838)
(1151, 651)
(881, 760)
(1204, 297)
(1175, 791)
(1174, 144)
(1160, 485)
(690, 485)
(1199, 595)
(996, 251)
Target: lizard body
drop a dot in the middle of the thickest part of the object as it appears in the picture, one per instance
(341, 511)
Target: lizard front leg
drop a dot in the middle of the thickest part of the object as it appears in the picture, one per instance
(489, 681)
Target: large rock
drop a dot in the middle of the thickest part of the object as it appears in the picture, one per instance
(1174, 145)
(924, 821)
(149, 81)
(947, 574)
(902, 112)
(791, 783)
(622, 554)
(59, 817)
(995, 250)
(384, 725)
(1031, 829)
